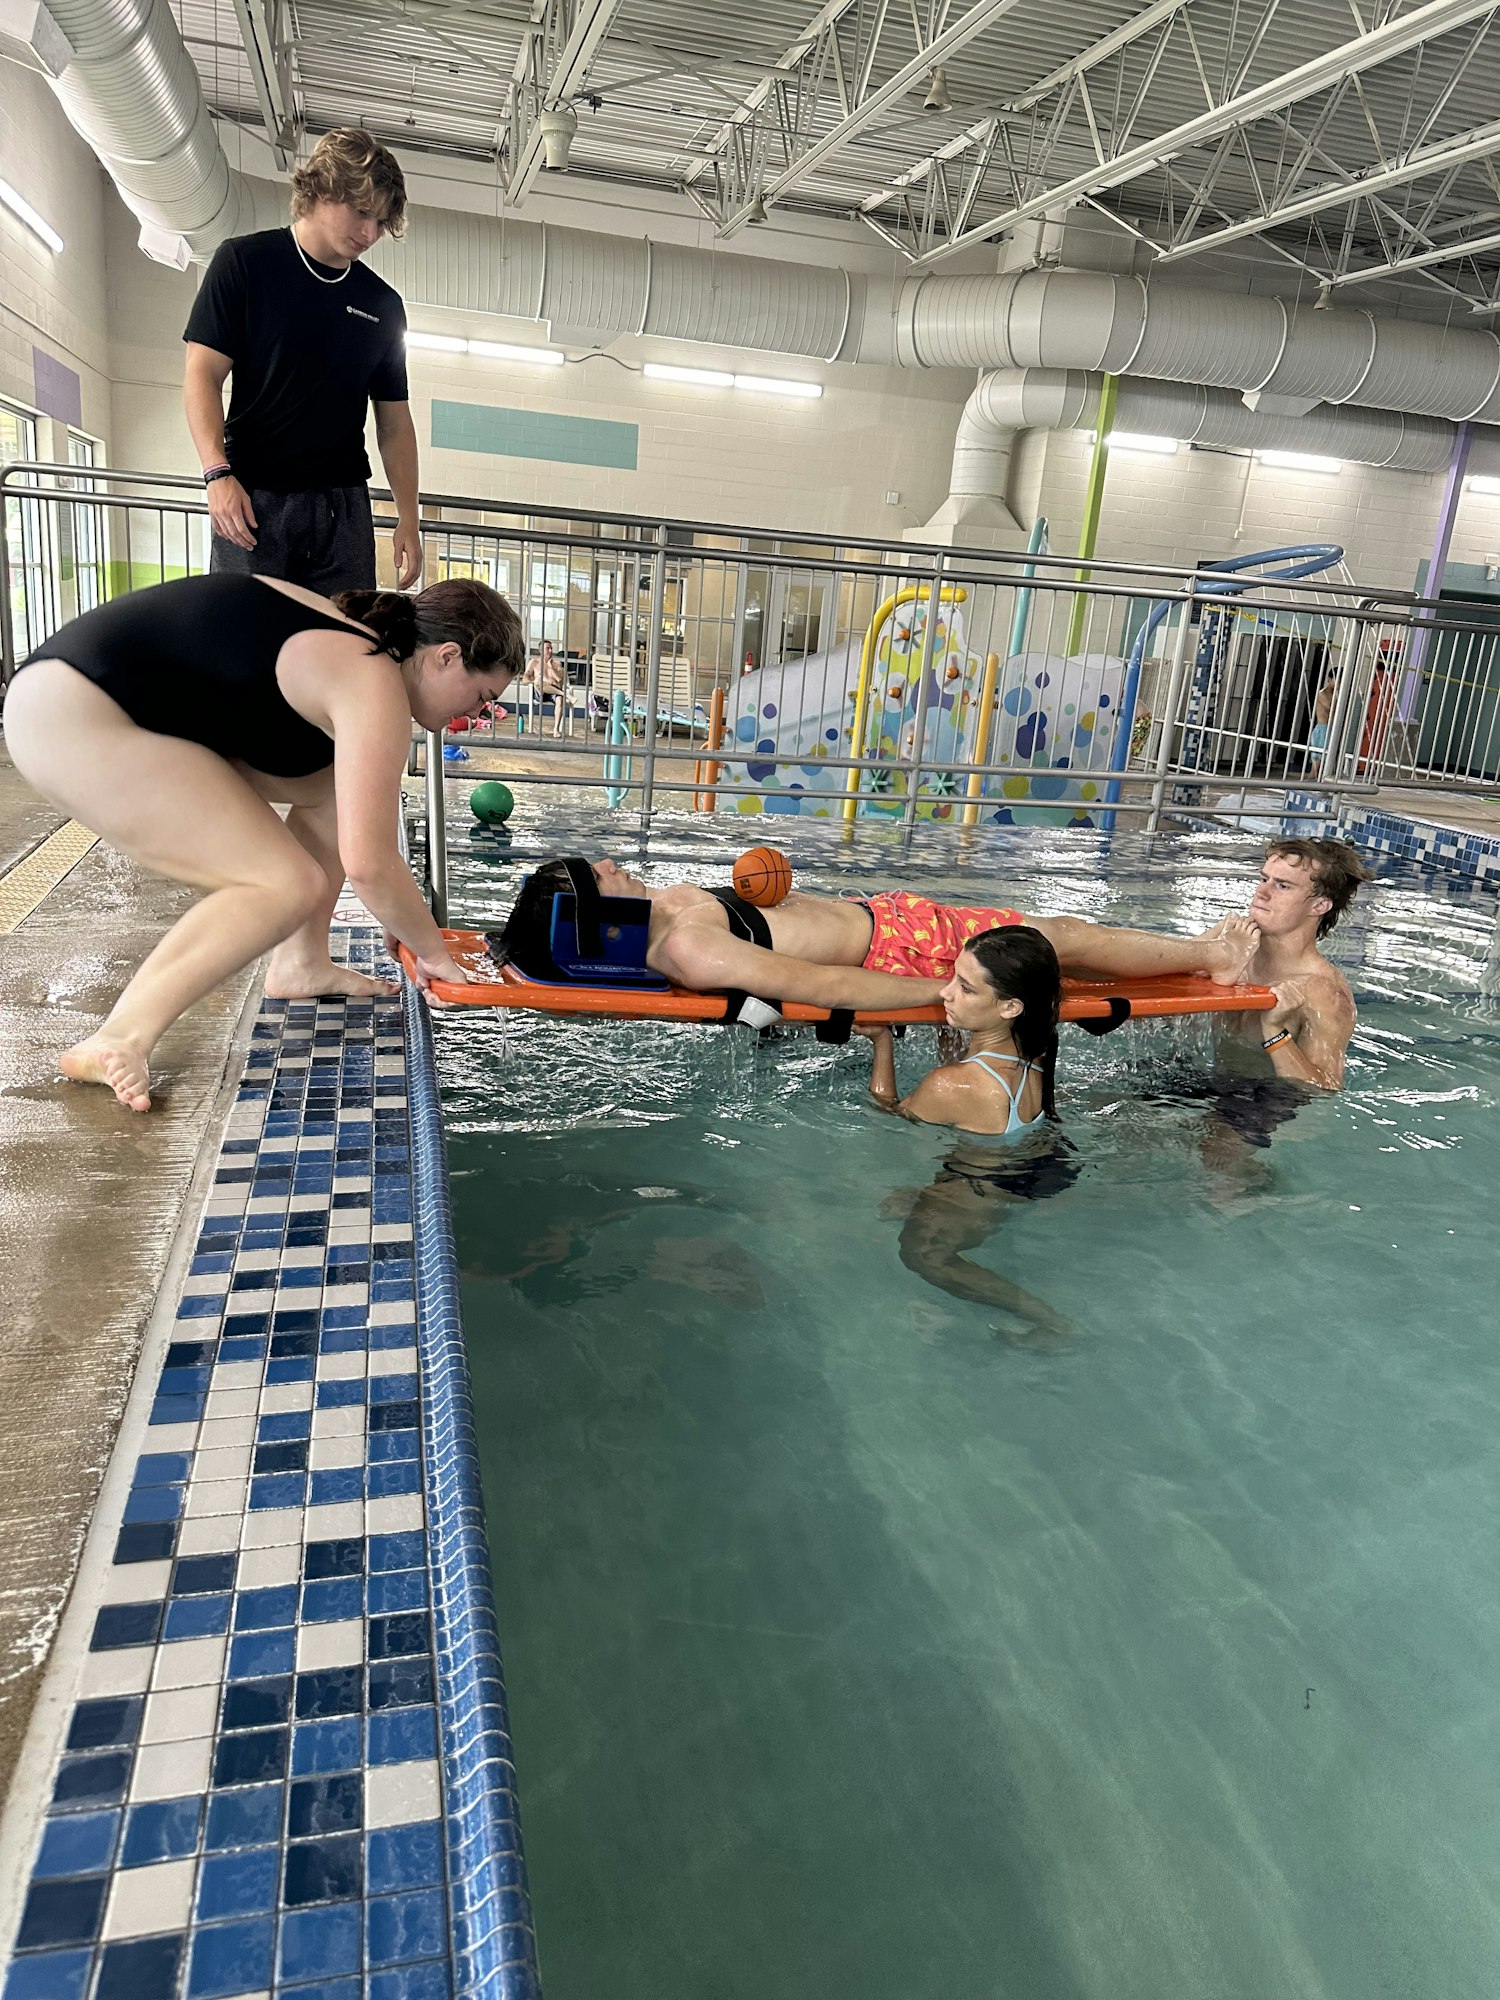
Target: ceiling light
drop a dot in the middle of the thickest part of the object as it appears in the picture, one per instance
(504, 350)
(1300, 461)
(1482, 483)
(756, 213)
(937, 98)
(767, 385)
(488, 350)
(708, 378)
(1324, 299)
(24, 212)
(1141, 441)
(557, 123)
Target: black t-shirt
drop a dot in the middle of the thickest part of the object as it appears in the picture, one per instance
(308, 356)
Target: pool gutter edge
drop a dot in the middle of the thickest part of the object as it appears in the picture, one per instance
(493, 1940)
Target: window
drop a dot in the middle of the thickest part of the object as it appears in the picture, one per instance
(32, 609)
(82, 533)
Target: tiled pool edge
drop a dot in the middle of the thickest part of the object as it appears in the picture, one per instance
(493, 1939)
(1427, 843)
(287, 1430)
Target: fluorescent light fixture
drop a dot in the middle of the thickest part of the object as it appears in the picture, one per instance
(487, 350)
(717, 378)
(1482, 483)
(1300, 461)
(504, 350)
(1141, 441)
(767, 385)
(707, 378)
(24, 212)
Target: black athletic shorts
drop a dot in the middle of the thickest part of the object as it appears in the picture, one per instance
(1253, 1106)
(323, 539)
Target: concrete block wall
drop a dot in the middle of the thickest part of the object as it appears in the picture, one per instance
(1208, 504)
(53, 302)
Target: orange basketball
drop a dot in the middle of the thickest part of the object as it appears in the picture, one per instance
(763, 876)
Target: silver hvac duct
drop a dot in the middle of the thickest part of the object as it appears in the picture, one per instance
(1275, 355)
(1013, 400)
(127, 83)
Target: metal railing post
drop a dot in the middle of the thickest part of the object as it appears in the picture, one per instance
(924, 691)
(616, 769)
(1176, 677)
(7, 636)
(653, 670)
(437, 830)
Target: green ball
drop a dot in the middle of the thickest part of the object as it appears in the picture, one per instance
(492, 802)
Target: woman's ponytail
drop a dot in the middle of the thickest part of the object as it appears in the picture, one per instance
(389, 615)
(459, 611)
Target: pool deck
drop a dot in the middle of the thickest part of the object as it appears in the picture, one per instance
(217, 1322)
(92, 1202)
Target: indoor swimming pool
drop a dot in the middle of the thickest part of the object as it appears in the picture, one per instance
(864, 1639)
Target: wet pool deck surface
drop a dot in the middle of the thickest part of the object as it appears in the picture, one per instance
(90, 1201)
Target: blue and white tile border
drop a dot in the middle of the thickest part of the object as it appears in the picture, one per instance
(1426, 843)
(493, 1942)
(271, 1756)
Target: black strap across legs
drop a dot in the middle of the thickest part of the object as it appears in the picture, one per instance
(746, 921)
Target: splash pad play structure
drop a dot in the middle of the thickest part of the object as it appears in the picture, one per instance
(1059, 726)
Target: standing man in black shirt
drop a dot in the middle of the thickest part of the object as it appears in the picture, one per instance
(312, 338)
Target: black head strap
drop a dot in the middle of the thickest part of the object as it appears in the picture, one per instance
(586, 901)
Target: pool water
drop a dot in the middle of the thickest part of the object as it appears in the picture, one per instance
(866, 1640)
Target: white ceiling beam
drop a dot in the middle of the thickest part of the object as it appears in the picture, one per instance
(938, 50)
(268, 53)
(1381, 45)
(784, 66)
(1448, 253)
(1151, 17)
(1450, 153)
(1148, 18)
(590, 24)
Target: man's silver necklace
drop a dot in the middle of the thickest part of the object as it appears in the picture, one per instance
(315, 273)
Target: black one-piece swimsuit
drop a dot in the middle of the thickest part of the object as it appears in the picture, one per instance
(197, 659)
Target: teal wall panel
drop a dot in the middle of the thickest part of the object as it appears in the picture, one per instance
(534, 434)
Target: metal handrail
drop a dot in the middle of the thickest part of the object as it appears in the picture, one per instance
(1252, 726)
(658, 526)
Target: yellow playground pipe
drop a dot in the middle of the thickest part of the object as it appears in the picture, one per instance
(982, 735)
(947, 594)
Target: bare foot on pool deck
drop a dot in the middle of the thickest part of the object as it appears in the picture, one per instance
(1233, 943)
(119, 1065)
(292, 979)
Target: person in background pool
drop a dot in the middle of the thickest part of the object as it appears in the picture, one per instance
(173, 721)
(894, 949)
(1005, 994)
(547, 674)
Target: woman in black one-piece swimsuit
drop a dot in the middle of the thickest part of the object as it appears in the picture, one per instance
(173, 719)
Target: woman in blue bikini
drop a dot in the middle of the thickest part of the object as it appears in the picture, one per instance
(1005, 993)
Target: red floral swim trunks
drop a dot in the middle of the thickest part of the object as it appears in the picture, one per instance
(916, 936)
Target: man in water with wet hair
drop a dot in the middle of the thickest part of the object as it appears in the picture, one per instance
(1305, 887)
(894, 949)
